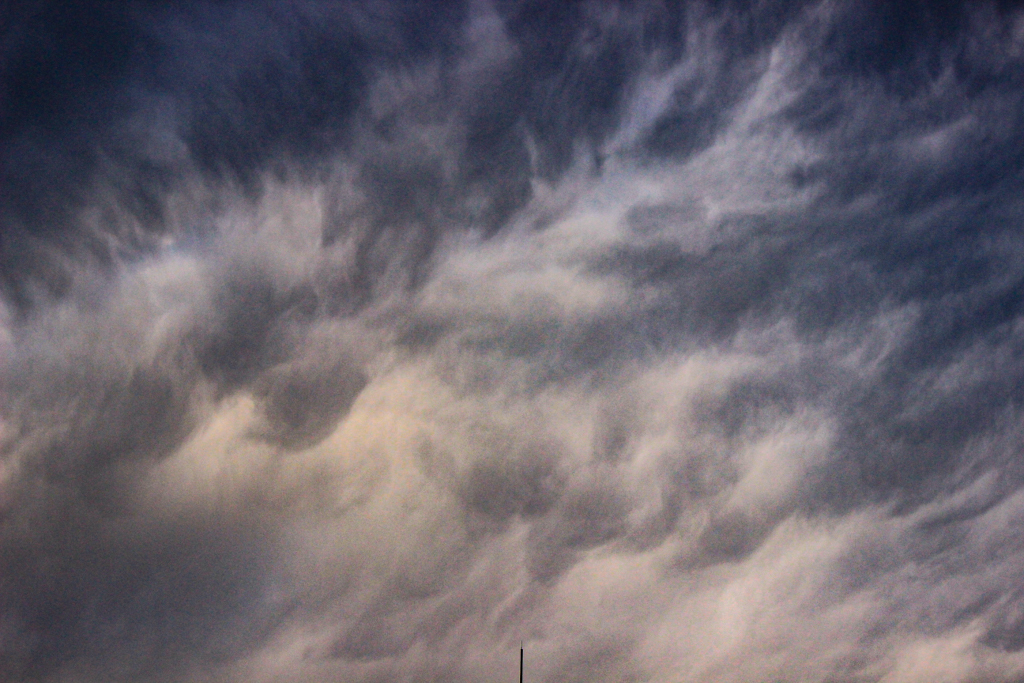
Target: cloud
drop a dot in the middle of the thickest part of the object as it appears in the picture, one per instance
(362, 343)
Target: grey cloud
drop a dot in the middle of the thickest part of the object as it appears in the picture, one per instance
(677, 340)
(303, 404)
(126, 599)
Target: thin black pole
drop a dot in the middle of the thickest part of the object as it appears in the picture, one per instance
(520, 663)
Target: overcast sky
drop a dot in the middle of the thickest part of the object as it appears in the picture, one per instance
(361, 342)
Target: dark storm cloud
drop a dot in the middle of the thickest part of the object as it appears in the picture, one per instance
(362, 341)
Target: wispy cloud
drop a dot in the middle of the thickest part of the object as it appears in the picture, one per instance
(679, 342)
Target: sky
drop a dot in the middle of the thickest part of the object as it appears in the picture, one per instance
(364, 341)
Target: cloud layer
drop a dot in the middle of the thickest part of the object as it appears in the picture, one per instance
(680, 342)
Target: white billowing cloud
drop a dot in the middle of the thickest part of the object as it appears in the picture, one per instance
(404, 543)
(389, 547)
